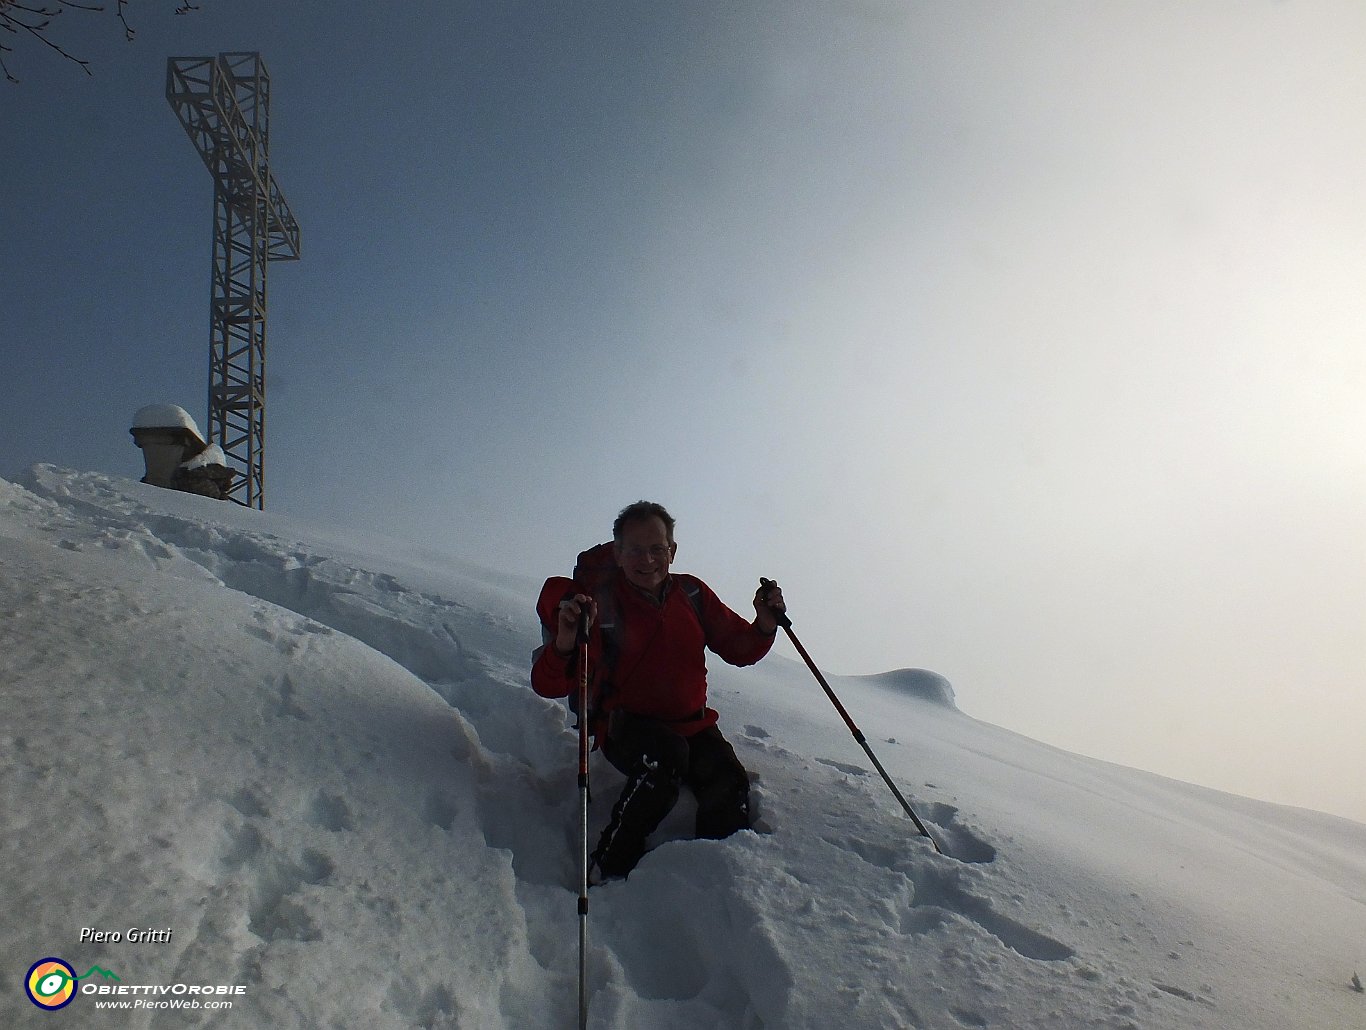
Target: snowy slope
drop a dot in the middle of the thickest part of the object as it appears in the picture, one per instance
(316, 761)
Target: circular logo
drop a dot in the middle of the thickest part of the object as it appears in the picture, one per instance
(50, 984)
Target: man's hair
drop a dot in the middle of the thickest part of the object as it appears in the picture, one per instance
(638, 512)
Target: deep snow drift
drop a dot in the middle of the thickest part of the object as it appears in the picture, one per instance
(317, 762)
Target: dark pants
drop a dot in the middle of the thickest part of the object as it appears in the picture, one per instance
(657, 763)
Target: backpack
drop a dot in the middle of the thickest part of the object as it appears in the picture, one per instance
(594, 573)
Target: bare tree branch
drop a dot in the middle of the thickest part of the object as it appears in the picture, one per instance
(20, 18)
(34, 20)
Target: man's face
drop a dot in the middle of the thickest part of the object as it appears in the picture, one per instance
(644, 552)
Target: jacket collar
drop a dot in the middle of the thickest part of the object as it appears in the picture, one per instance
(658, 600)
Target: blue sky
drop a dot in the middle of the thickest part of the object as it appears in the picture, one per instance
(1022, 342)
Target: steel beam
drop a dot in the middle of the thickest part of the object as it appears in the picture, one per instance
(223, 103)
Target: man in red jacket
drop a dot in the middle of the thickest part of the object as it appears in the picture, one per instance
(649, 629)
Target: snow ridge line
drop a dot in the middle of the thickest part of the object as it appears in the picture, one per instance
(420, 631)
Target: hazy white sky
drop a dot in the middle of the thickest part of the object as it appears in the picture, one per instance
(1019, 341)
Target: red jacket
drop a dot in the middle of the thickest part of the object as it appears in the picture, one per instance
(660, 670)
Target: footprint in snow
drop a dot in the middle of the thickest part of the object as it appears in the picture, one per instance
(244, 844)
(330, 812)
(440, 810)
(957, 840)
(248, 802)
(940, 890)
(288, 706)
(844, 767)
(1183, 994)
(274, 912)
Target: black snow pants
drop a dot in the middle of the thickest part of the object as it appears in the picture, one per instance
(657, 762)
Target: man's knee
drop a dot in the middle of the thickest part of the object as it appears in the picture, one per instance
(723, 808)
(721, 785)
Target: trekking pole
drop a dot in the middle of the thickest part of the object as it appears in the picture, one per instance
(582, 643)
(786, 624)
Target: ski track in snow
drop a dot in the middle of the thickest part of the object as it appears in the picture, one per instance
(888, 933)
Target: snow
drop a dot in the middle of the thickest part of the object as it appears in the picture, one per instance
(210, 455)
(166, 416)
(317, 761)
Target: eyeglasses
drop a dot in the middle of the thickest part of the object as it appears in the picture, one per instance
(657, 551)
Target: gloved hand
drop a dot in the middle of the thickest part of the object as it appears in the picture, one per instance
(770, 611)
(567, 626)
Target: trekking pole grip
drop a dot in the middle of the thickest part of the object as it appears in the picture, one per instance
(783, 620)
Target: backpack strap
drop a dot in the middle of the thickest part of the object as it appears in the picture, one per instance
(692, 587)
